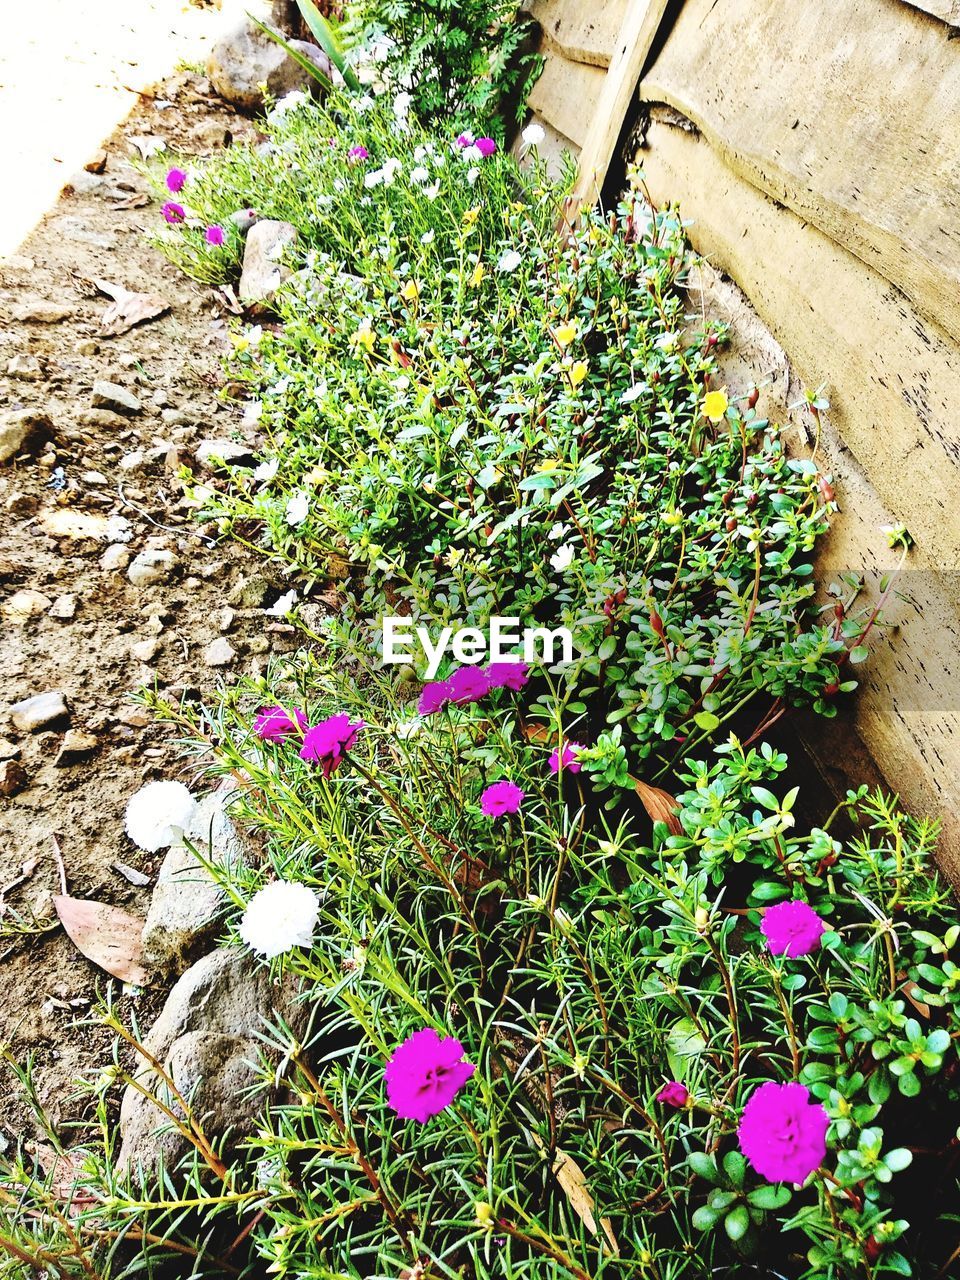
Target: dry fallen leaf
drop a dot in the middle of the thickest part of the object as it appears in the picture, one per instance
(573, 1184)
(660, 805)
(148, 144)
(128, 309)
(136, 201)
(107, 936)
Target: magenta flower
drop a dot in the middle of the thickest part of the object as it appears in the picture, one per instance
(357, 154)
(173, 213)
(465, 140)
(507, 675)
(486, 147)
(570, 761)
(176, 181)
(434, 696)
(468, 684)
(273, 724)
(500, 798)
(674, 1094)
(792, 929)
(782, 1132)
(425, 1074)
(326, 742)
(214, 235)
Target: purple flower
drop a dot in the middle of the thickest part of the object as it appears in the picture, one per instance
(782, 1132)
(570, 761)
(176, 181)
(214, 235)
(357, 154)
(465, 140)
(674, 1094)
(486, 147)
(792, 929)
(173, 213)
(500, 798)
(434, 696)
(273, 724)
(468, 684)
(507, 675)
(326, 742)
(425, 1074)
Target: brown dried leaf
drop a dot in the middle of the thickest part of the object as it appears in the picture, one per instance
(573, 1183)
(128, 309)
(107, 936)
(660, 805)
(135, 201)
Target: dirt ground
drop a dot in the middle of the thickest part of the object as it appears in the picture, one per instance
(91, 633)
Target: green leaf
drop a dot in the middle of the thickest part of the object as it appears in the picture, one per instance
(706, 721)
(898, 1159)
(737, 1222)
(772, 1196)
(703, 1166)
(705, 1218)
(735, 1167)
(326, 38)
(303, 62)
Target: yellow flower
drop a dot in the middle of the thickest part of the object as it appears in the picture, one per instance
(470, 217)
(715, 405)
(365, 337)
(454, 556)
(565, 334)
(477, 276)
(550, 465)
(484, 1215)
(578, 371)
(410, 291)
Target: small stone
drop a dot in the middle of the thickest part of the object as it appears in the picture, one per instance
(25, 367)
(87, 347)
(117, 399)
(154, 624)
(67, 522)
(213, 453)
(93, 477)
(84, 184)
(39, 711)
(64, 607)
(22, 504)
(39, 311)
(12, 778)
(8, 750)
(102, 418)
(75, 746)
(227, 618)
(26, 604)
(152, 567)
(219, 653)
(263, 269)
(132, 461)
(21, 430)
(145, 650)
(135, 717)
(115, 558)
(250, 593)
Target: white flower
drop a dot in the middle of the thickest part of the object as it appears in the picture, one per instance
(364, 104)
(472, 175)
(432, 192)
(338, 184)
(254, 334)
(373, 178)
(557, 531)
(428, 237)
(563, 557)
(408, 728)
(298, 508)
(533, 135)
(265, 472)
(280, 916)
(157, 815)
(420, 153)
(401, 105)
(634, 393)
(510, 259)
(472, 154)
(283, 606)
(420, 175)
(390, 169)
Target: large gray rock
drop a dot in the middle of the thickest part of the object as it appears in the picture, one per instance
(205, 1039)
(264, 270)
(245, 58)
(187, 902)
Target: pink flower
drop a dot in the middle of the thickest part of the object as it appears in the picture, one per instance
(357, 154)
(425, 1074)
(486, 147)
(176, 181)
(500, 798)
(507, 675)
(468, 684)
(570, 750)
(674, 1094)
(792, 929)
(173, 213)
(782, 1132)
(273, 724)
(214, 235)
(465, 140)
(326, 742)
(433, 696)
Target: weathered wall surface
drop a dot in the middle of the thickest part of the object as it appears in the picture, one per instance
(814, 150)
